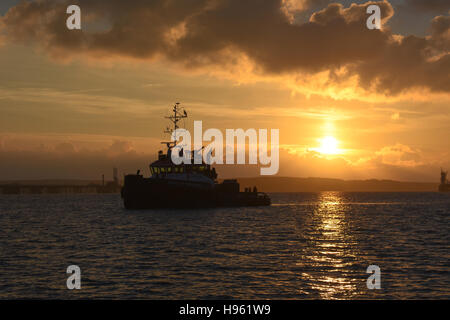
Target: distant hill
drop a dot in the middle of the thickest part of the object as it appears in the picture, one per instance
(286, 184)
(52, 182)
(280, 184)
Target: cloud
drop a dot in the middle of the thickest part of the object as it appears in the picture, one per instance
(66, 160)
(440, 30)
(400, 155)
(429, 5)
(119, 147)
(71, 157)
(395, 116)
(65, 147)
(200, 33)
(292, 7)
(397, 162)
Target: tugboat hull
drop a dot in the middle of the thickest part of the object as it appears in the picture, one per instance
(161, 194)
(140, 193)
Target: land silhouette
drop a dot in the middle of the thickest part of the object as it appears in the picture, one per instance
(265, 184)
(291, 184)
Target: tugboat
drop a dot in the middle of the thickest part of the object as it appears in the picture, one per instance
(185, 185)
(445, 184)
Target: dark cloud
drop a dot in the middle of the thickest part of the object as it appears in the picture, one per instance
(429, 5)
(410, 62)
(198, 33)
(264, 34)
(405, 65)
(440, 33)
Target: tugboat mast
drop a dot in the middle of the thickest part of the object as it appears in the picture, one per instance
(178, 114)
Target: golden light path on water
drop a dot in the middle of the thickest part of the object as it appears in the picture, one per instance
(331, 249)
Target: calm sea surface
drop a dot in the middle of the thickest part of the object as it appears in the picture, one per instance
(305, 246)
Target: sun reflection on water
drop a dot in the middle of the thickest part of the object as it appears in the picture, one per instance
(330, 251)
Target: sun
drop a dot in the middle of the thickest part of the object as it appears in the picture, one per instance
(328, 145)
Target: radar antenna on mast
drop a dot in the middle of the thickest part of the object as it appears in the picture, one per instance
(178, 114)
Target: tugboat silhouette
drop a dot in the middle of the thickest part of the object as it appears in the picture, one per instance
(184, 185)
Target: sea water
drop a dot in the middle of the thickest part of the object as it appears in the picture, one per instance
(304, 246)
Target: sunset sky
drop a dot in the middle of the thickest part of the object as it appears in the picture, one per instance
(349, 102)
